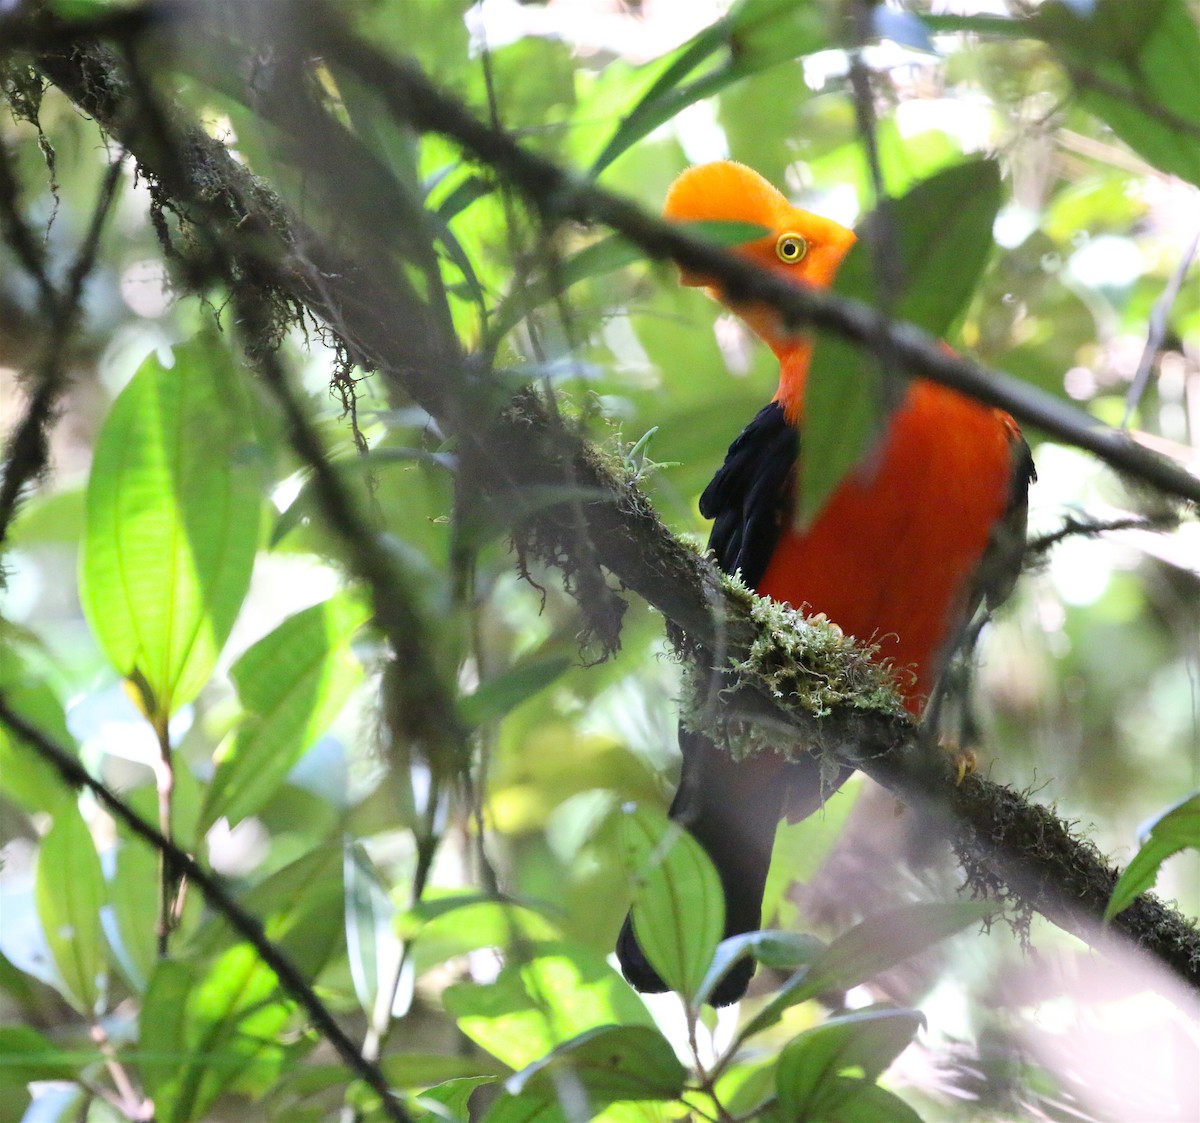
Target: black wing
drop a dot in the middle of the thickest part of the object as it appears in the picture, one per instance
(1001, 563)
(750, 499)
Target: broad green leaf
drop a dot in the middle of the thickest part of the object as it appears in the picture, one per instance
(300, 907)
(678, 905)
(216, 1033)
(292, 684)
(25, 777)
(226, 1026)
(17, 985)
(866, 1040)
(526, 1109)
(504, 693)
(445, 927)
(162, 1033)
(746, 1084)
(849, 1100)
(941, 234)
(1175, 830)
(424, 1070)
(890, 937)
(70, 893)
(26, 1056)
(172, 522)
(450, 1100)
(752, 36)
(609, 1064)
(764, 32)
(556, 992)
(134, 894)
(878, 943)
(781, 950)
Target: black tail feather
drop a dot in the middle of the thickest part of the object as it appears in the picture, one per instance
(732, 809)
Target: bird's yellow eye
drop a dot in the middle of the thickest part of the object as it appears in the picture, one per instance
(790, 248)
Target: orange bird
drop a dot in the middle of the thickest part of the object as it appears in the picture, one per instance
(901, 555)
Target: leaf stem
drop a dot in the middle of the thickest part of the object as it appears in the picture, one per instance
(129, 1100)
(164, 781)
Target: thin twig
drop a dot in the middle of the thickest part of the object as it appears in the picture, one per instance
(1158, 329)
(881, 230)
(28, 449)
(244, 923)
(1037, 548)
(130, 1101)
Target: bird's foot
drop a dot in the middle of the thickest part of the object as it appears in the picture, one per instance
(964, 762)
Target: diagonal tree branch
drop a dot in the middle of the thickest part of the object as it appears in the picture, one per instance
(1062, 876)
(412, 97)
(244, 923)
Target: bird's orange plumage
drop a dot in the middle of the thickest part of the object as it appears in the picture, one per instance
(897, 556)
(890, 557)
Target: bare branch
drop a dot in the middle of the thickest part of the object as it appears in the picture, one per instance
(1158, 328)
(28, 447)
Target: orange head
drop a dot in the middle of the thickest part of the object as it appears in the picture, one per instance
(801, 246)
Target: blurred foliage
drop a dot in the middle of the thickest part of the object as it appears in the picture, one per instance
(172, 593)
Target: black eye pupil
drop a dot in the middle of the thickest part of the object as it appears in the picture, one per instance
(790, 248)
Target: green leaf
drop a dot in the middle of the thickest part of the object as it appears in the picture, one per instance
(70, 893)
(678, 906)
(172, 522)
(752, 36)
(504, 693)
(848, 1100)
(609, 1064)
(746, 1084)
(1135, 68)
(890, 937)
(866, 1040)
(941, 237)
(26, 778)
(1176, 829)
(292, 683)
(162, 1033)
(781, 950)
(424, 1070)
(764, 32)
(451, 1098)
(207, 1035)
(27, 1056)
(445, 927)
(301, 909)
(134, 894)
(879, 942)
(555, 992)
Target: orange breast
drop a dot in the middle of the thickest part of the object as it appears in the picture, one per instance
(890, 557)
